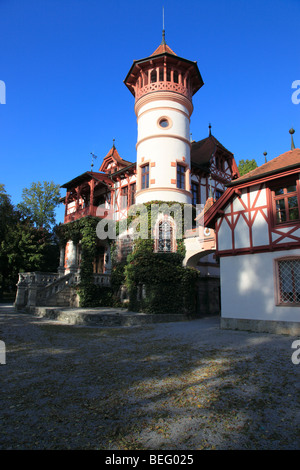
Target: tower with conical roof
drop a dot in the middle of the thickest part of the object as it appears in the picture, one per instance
(163, 85)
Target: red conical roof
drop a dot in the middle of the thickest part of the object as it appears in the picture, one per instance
(162, 48)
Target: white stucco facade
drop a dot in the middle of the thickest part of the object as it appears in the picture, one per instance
(162, 148)
(248, 288)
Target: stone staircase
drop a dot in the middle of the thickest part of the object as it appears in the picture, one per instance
(51, 289)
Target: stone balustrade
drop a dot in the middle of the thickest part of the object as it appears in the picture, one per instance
(39, 288)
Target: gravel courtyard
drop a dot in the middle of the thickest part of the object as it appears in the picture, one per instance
(173, 386)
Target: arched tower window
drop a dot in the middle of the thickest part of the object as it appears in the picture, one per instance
(153, 76)
(165, 236)
(175, 76)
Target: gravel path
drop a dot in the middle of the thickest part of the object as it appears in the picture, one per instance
(172, 386)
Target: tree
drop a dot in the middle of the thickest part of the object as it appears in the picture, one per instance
(23, 247)
(7, 223)
(39, 203)
(246, 165)
(6, 212)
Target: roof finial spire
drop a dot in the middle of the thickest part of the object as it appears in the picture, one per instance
(93, 158)
(291, 131)
(114, 144)
(163, 42)
(265, 154)
(209, 126)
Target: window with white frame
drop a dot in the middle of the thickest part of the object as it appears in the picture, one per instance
(288, 272)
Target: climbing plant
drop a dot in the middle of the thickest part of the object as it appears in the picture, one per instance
(156, 282)
(84, 230)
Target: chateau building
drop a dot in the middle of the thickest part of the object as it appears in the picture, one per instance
(169, 167)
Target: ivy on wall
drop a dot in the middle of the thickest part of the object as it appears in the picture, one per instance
(156, 282)
(84, 230)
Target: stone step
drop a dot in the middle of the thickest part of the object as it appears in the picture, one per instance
(65, 298)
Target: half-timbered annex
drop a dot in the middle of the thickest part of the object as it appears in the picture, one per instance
(257, 226)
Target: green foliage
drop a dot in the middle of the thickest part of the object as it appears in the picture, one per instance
(23, 247)
(93, 296)
(39, 203)
(158, 283)
(246, 165)
(84, 230)
(167, 287)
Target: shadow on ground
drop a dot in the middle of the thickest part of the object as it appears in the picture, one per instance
(185, 385)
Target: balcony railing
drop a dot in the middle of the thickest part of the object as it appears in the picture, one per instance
(95, 211)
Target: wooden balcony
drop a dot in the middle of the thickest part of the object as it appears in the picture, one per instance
(85, 212)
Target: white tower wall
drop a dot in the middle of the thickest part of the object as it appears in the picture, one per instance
(163, 148)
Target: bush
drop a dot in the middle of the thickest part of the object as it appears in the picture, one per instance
(95, 296)
(158, 283)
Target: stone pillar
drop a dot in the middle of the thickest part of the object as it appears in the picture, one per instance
(61, 268)
(21, 296)
(107, 261)
(32, 294)
(72, 257)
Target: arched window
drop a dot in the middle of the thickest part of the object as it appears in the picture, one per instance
(175, 76)
(153, 76)
(161, 74)
(165, 237)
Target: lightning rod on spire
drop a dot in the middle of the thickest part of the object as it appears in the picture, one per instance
(163, 32)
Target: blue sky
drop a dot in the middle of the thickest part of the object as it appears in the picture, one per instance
(64, 61)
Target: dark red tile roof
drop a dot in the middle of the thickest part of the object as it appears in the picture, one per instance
(280, 163)
(202, 151)
(87, 176)
(114, 154)
(162, 48)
